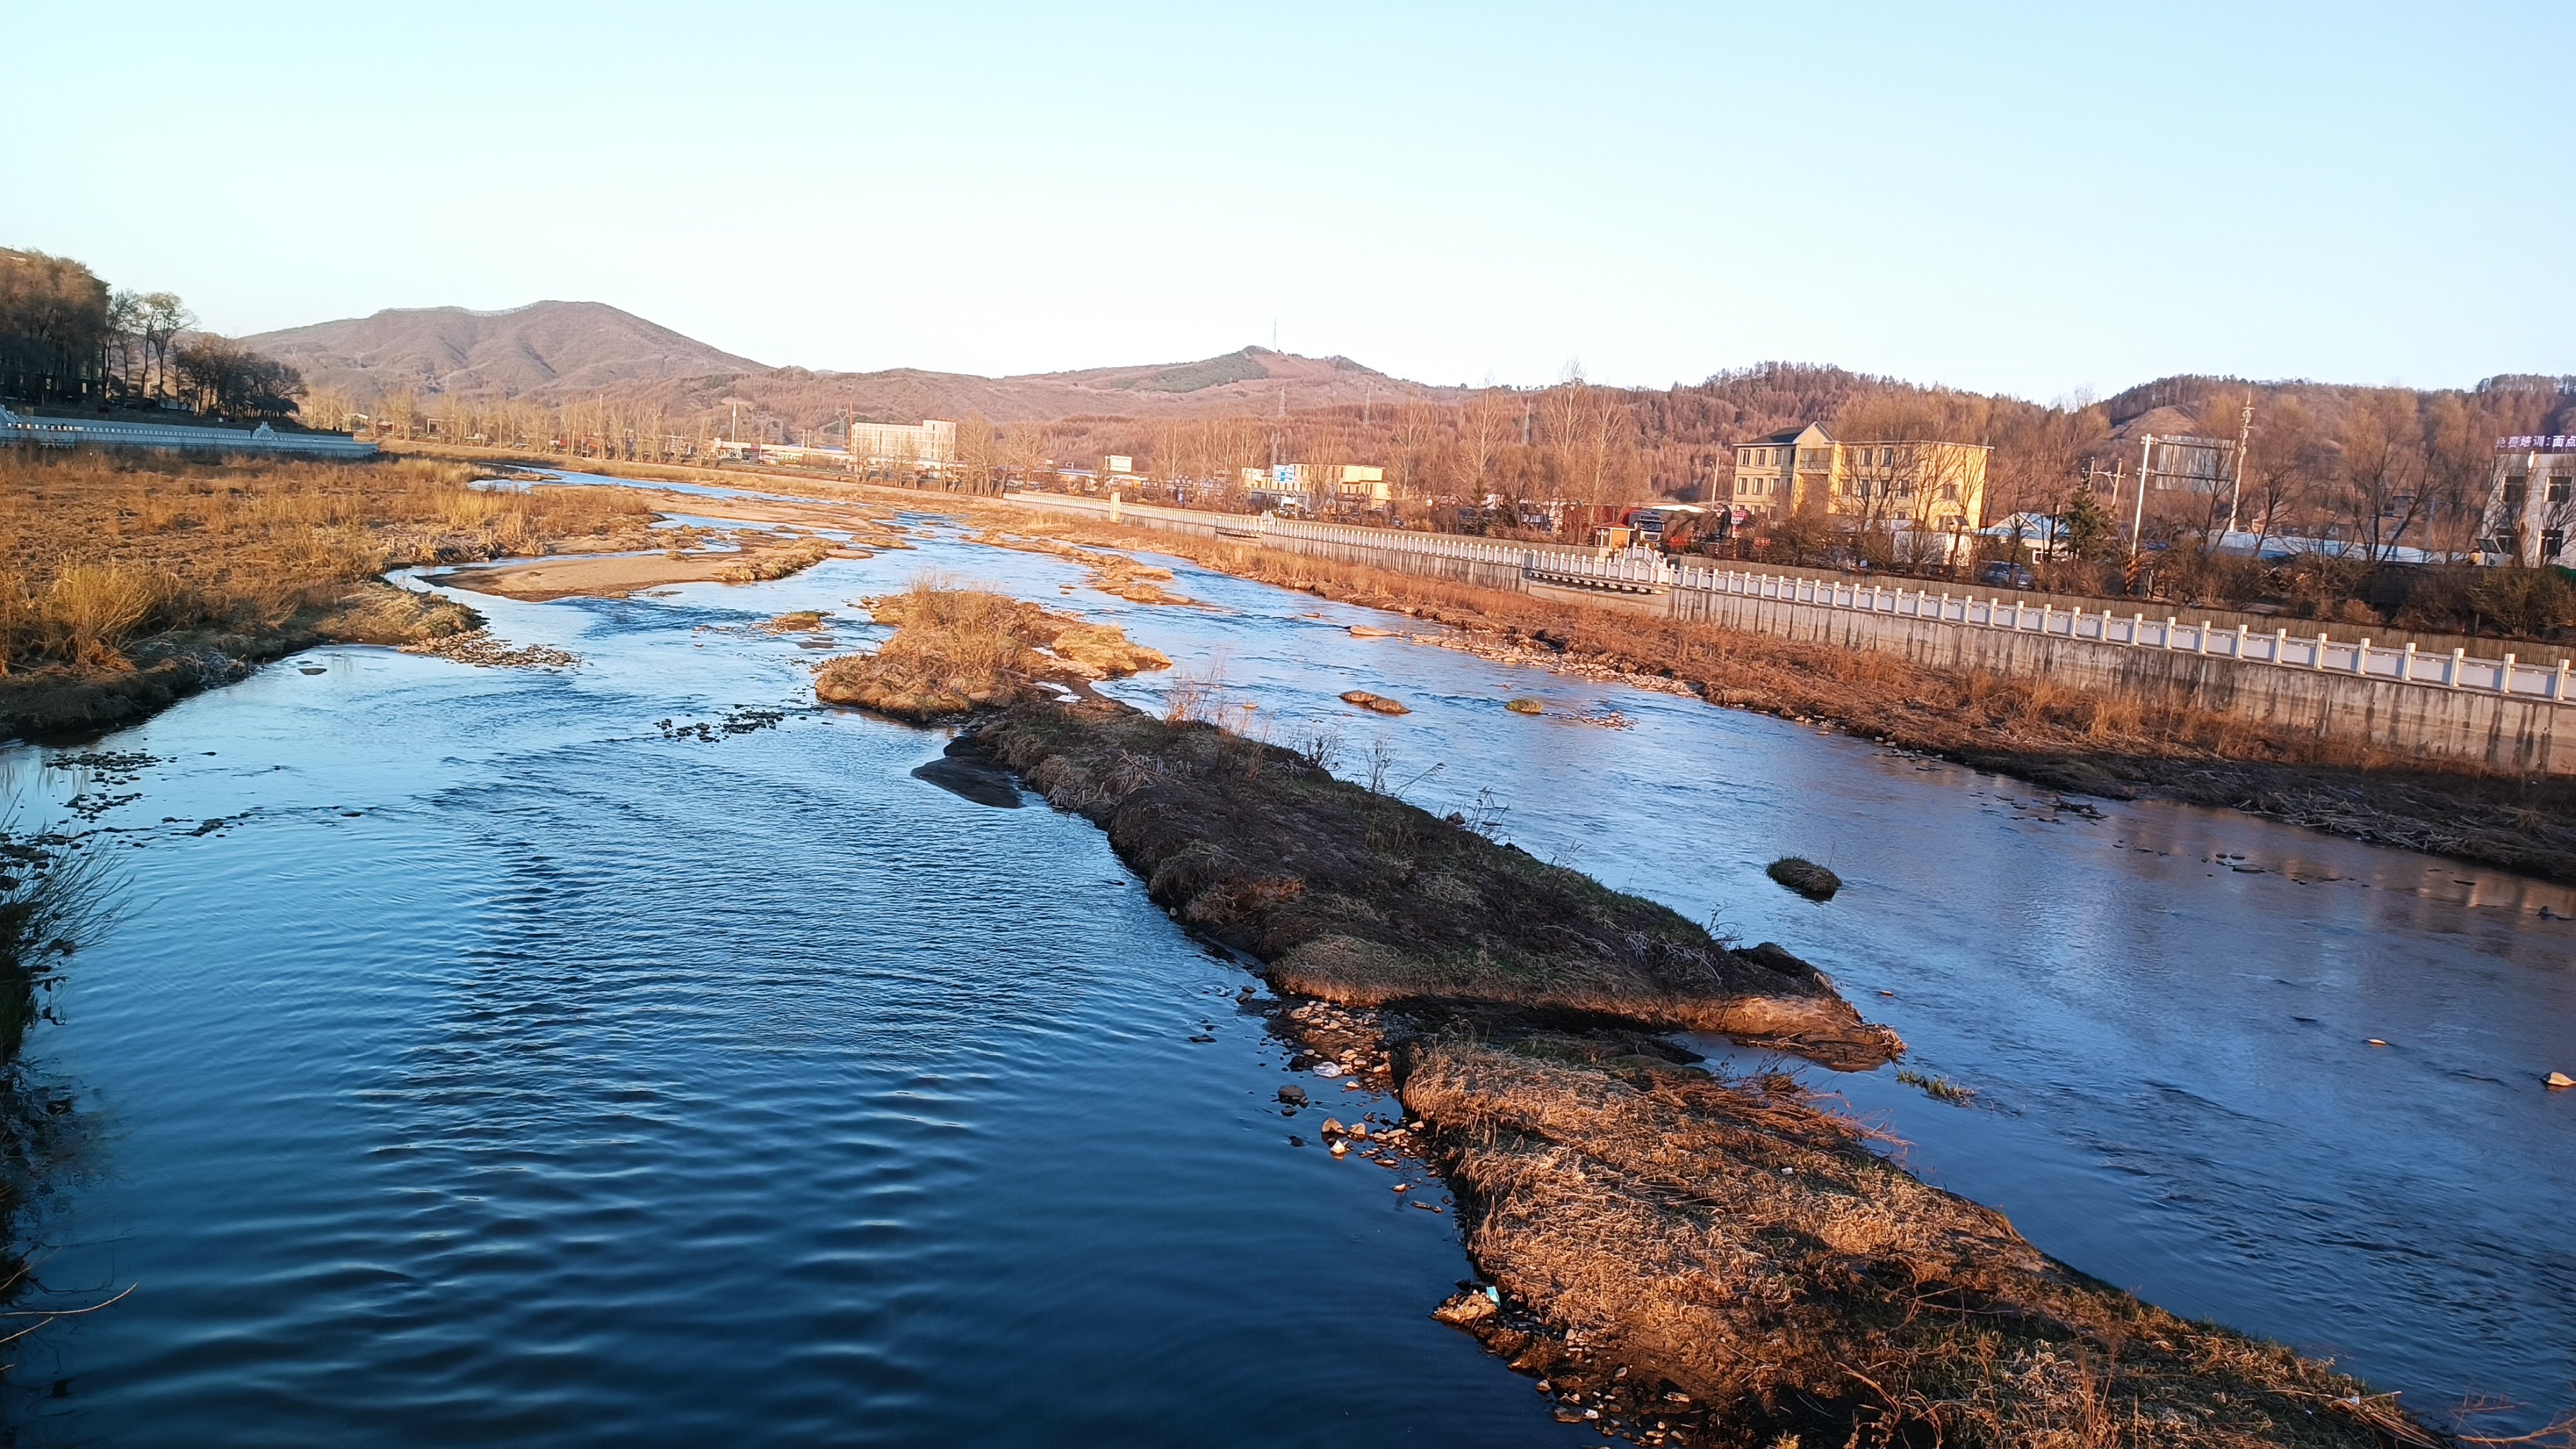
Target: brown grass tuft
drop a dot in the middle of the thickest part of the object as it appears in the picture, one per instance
(958, 650)
(1733, 1238)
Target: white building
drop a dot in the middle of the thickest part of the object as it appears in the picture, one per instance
(930, 443)
(2531, 502)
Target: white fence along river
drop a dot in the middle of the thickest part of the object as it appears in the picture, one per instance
(67, 433)
(1633, 571)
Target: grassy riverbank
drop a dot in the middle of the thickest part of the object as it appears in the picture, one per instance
(128, 581)
(1688, 1259)
(2062, 738)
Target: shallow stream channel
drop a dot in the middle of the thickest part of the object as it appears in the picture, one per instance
(633, 1053)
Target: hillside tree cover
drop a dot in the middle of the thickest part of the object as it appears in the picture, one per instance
(66, 337)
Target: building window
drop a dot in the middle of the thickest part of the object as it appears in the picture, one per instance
(2561, 487)
(1887, 457)
(2550, 543)
(1949, 492)
(2515, 487)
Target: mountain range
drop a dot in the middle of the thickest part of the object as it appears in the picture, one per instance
(546, 352)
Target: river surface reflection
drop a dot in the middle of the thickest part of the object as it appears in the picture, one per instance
(507, 1065)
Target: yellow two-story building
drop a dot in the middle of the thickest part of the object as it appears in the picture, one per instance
(1912, 483)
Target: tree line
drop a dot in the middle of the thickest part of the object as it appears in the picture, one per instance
(67, 338)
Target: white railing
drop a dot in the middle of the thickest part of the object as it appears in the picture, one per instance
(62, 433)
(2135, 630)
(1639, 569)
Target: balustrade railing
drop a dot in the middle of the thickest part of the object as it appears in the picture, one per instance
(1635, 568)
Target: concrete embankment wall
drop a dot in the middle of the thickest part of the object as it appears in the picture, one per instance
(2519, 734)
(2523, 735)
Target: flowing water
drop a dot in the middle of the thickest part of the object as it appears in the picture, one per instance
(497, 1055)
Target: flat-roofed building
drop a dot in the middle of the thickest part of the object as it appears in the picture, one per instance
(931, 443)
(2531, 502)
(1322, 485)
(1916, 482)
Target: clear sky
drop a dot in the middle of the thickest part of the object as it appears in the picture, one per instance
(2033, 199)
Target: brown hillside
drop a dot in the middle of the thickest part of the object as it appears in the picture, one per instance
(542, 348)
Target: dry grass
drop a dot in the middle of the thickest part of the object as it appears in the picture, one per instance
(98, 551)
(1114, 574)
(2060, 738)
(958, 650)
(1733, 1239)
(758, 565)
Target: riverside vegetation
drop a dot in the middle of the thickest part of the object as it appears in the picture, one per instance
(2059, 737)
(1682, 1257)
(130, 581)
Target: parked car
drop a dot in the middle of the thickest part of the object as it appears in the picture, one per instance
(2004, 574)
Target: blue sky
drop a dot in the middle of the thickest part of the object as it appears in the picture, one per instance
(2032, 199)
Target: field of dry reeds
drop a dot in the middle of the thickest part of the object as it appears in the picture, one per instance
(113, 563)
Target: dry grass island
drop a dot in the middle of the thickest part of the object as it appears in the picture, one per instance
(1681, 1257)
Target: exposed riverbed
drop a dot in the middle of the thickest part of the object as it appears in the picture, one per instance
(512, 1064)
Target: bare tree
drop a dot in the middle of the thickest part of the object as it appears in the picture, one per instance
(2381, 492)
(1417, 431)
(1485, 427)
(978, 453)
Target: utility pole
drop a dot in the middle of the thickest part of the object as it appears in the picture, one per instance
(2138, 525)
(2244, 433)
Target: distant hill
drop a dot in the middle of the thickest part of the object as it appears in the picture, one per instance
(547, 351)
(1253, 380)
(540, 349)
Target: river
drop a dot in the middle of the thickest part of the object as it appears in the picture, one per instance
(510, 1065)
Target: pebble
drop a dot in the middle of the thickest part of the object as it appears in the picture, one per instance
(2560, 1080)
(1293, 1096)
